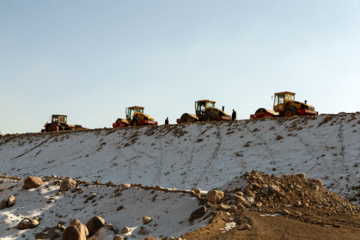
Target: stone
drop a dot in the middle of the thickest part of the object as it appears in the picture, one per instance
(245, 227)
(28, 223)
(274, 189)
(32, 182)
(67, 184)
(125, 186)
(315, 188)
(53, 233)
(241, 194)
(125, 230)
(233, 208)
(77, 222)
(146, 219)
(118, 237)
(110, 184)
(197, 191)
(157, 187)
(285, 212)
(223, 207)
(11, 201)
(40, 235)
(3, 204)
(143, 231)
(112, 227)
(94, 224)
(302, 176)
(214, 196)
(74, 232)
(198, 213)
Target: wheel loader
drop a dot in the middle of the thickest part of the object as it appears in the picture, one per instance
(205, 111)
(135, 116)
(285, 106)
(59, 123)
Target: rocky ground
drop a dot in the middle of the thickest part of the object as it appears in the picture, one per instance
(255, 206)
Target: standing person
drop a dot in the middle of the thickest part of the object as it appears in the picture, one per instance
(233, 117)
(167, 121)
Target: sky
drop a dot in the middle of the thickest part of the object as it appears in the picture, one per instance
(92, 59)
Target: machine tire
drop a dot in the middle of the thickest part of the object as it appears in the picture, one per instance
(54, 128)
(209, 117)
(135, 122)
(289, 112)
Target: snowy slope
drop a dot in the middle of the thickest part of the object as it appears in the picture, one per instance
(205, 155)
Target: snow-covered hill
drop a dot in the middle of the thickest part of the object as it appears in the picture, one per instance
(205, 155)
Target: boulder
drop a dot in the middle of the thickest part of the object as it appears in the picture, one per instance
(125, 186)
(74, 232)
(28, 223)
(11, 201)
(67, 184)
(94, 224)
(3, 204)
(53, 233)
(112, 227)
(77, 222)
(125, 230)
(118, 237)
(198, 213)
(146, 219)
(32, 182)
(214, 196)
(197, 191)
(223, 207)
(143, 231)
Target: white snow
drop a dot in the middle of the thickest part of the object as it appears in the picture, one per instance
(205, 155)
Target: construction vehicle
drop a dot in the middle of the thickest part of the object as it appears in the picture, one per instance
(205, 111)
(135, 116)
(285, 106)
(59, 123)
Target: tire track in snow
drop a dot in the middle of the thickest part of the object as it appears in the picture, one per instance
(214, 157)
(269, 150)
(189, 163)
(26, 152)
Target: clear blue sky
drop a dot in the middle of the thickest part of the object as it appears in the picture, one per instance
(91, 59)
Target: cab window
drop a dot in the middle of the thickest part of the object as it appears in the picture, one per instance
(210, 104)
(128, 112)
(290, 97)
(139, 110)
(281, 98)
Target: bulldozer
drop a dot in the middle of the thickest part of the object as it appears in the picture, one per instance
(135, 116)
(285, 106)
(59, 123)
(205, 111)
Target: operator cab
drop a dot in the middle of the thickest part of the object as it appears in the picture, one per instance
(130, 111)
(281, 99)
(202, 105)
(62, 119)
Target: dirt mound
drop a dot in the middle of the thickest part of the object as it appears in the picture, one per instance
(268, 190)
(287, 207)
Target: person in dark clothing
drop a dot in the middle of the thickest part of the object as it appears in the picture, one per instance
(233, 115)
(167, 121)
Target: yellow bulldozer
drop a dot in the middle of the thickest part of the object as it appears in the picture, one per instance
(205, 111)
(59, 123)
(285, 106)
(135, 116)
